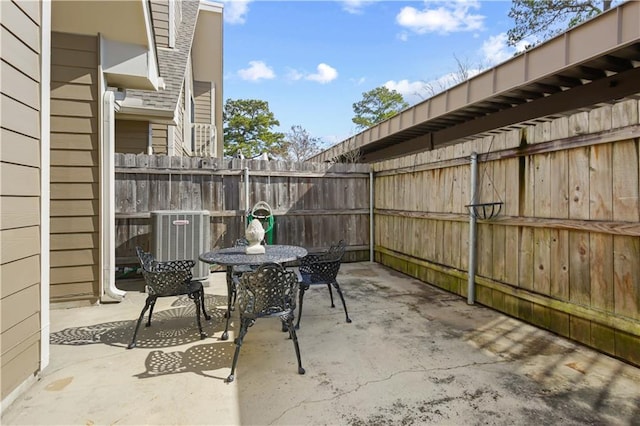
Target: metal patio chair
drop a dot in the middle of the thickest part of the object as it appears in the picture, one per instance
(233, 275)
(169, 278)
(322, 268)
(269, 291)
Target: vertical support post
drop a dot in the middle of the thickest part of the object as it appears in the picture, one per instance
(371, 202)
(471, 289)
(246, 197)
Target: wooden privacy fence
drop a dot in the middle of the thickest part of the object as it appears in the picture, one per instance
(564, 253)
(313, 204)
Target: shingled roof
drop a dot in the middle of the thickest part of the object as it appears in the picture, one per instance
(172, 64)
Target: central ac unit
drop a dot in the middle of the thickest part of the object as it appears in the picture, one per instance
(181, 235)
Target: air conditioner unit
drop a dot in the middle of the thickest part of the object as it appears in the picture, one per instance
(181, 234)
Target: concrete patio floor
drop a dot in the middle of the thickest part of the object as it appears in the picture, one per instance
(414, 355)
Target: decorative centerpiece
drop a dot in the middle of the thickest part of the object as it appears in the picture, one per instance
(254, 235)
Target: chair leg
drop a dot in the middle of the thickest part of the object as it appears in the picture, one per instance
(204, 310)
(344, 305)
(147, 303)
(300, 299)
(152, 304)
(331, 295)
(244, 327)
(294, 337)
(197, 299)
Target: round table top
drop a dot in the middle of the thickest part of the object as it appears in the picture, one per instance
(232, 256)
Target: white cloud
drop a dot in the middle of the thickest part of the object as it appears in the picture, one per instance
(257, 70)
(235, 11)
(496, 50)
(412, 91)
(294, 75)
(450, 17)
(355, 6)
(325, 74)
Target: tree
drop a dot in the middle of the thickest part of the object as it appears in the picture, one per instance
(377, 105)
(547, 18)
(301, 145)
(247, 129)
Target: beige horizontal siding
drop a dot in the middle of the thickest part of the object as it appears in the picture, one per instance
(27, 269)
(202, 101)
(20, 363)
(19, 55)
(17, 85)
(76, 142)
(19, 180)
(75, 162)
(19, 117)
(19, 212)
(20, 239)
(74, 257)
(74, 224)
(74, 174)
(74, 241)
(19, 149)
(159, 140)
(19, 243)
(74, 291)
(19, 306)
(74, 207)
(160, 16)
(31, 10)
(20, 336)
(74, 158)
(132, 137)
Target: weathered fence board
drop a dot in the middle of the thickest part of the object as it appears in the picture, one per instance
(313, 206)
(563, 254)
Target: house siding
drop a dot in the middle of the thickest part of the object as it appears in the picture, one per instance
(160, 16)
(132, 137)
(202, 100)
(19, 193)
(159, 138)
(74, 168)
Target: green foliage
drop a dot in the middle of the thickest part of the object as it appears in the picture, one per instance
(301, 145)
(248, 127)
(376, 106)
(546, 18)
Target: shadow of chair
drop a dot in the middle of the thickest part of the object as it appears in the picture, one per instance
(322, 268)
(165, 279)
(269, 291)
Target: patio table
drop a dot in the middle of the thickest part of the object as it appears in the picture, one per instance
(236, 256)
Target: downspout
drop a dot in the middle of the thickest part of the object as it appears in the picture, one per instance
(371, 216)
(109, 291)
(471, 289)
(150, 140)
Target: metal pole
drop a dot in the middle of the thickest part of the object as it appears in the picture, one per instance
(471, 289)
(371, 216)
(246, 196)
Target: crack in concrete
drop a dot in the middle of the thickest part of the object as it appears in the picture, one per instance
(392, 375)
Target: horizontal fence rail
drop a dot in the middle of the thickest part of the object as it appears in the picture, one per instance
(313, 205)
(563, 254)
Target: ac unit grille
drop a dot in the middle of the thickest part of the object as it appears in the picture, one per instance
(181, 234)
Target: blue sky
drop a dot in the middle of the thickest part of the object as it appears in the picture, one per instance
(311, 60)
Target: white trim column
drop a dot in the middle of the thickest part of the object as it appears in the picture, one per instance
(45, 179)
